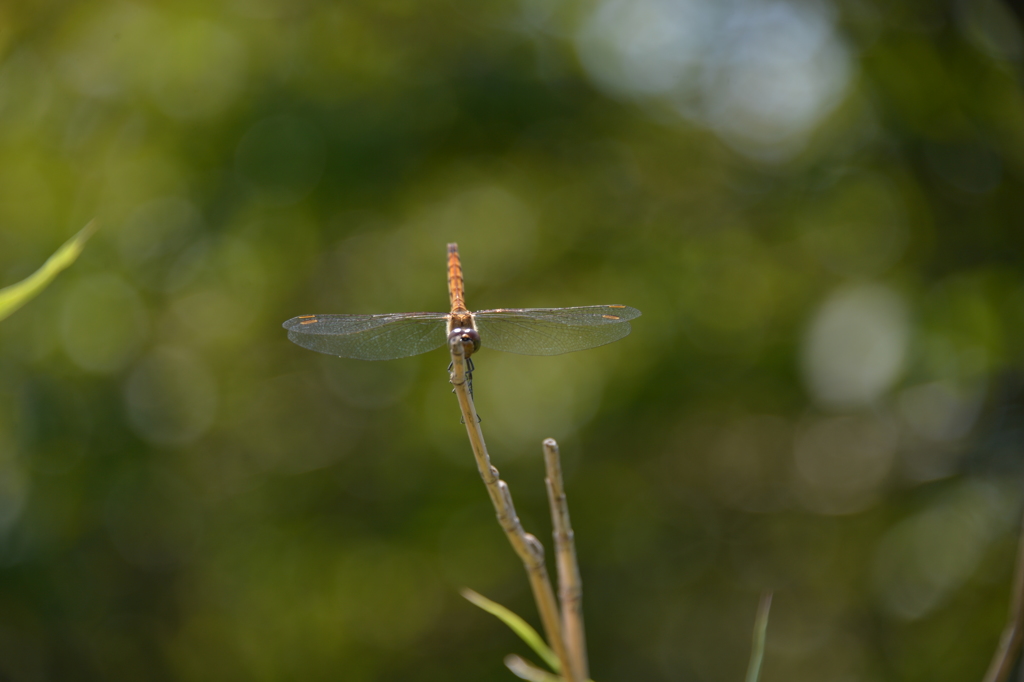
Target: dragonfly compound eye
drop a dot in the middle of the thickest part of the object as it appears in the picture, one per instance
(470, 341)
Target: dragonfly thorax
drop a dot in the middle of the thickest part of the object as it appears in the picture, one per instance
(461, 325)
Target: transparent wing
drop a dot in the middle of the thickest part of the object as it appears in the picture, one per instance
(552, 331)
(369, 337)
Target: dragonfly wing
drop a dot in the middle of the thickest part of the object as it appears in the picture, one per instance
(369, 337)
(552, 331)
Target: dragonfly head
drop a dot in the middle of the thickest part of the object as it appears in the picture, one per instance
(469, 337)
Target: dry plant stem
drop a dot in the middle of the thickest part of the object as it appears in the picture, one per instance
(570, 587)
(1013, 633)
(529, 549)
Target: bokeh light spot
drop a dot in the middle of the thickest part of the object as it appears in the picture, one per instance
(291, 424)
(156, 226)
(104, 49)
(749, 462)
(199, 71)
(940, 411)
(103, 323)
(761, 73)
(842, 461)
(26, 93)
(921, 560)
(856, 345)
(171, 397)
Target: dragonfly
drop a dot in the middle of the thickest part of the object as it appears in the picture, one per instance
(526, 331)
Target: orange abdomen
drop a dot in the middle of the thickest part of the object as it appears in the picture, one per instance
(456, 290)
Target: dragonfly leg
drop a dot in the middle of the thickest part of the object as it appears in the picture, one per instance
(469, 384)
(462, 420)
(469, 380)
(469, 377)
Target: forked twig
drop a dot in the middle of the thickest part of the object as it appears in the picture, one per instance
(1013, 632)
(570, 587)
(529, 549)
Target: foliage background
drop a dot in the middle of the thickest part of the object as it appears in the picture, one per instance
(817, 206)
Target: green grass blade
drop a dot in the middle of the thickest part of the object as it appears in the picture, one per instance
(518, 625)
(525, 670)
(760, 634)
(17, 295)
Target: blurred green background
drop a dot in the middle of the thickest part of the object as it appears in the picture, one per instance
(817, 206)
